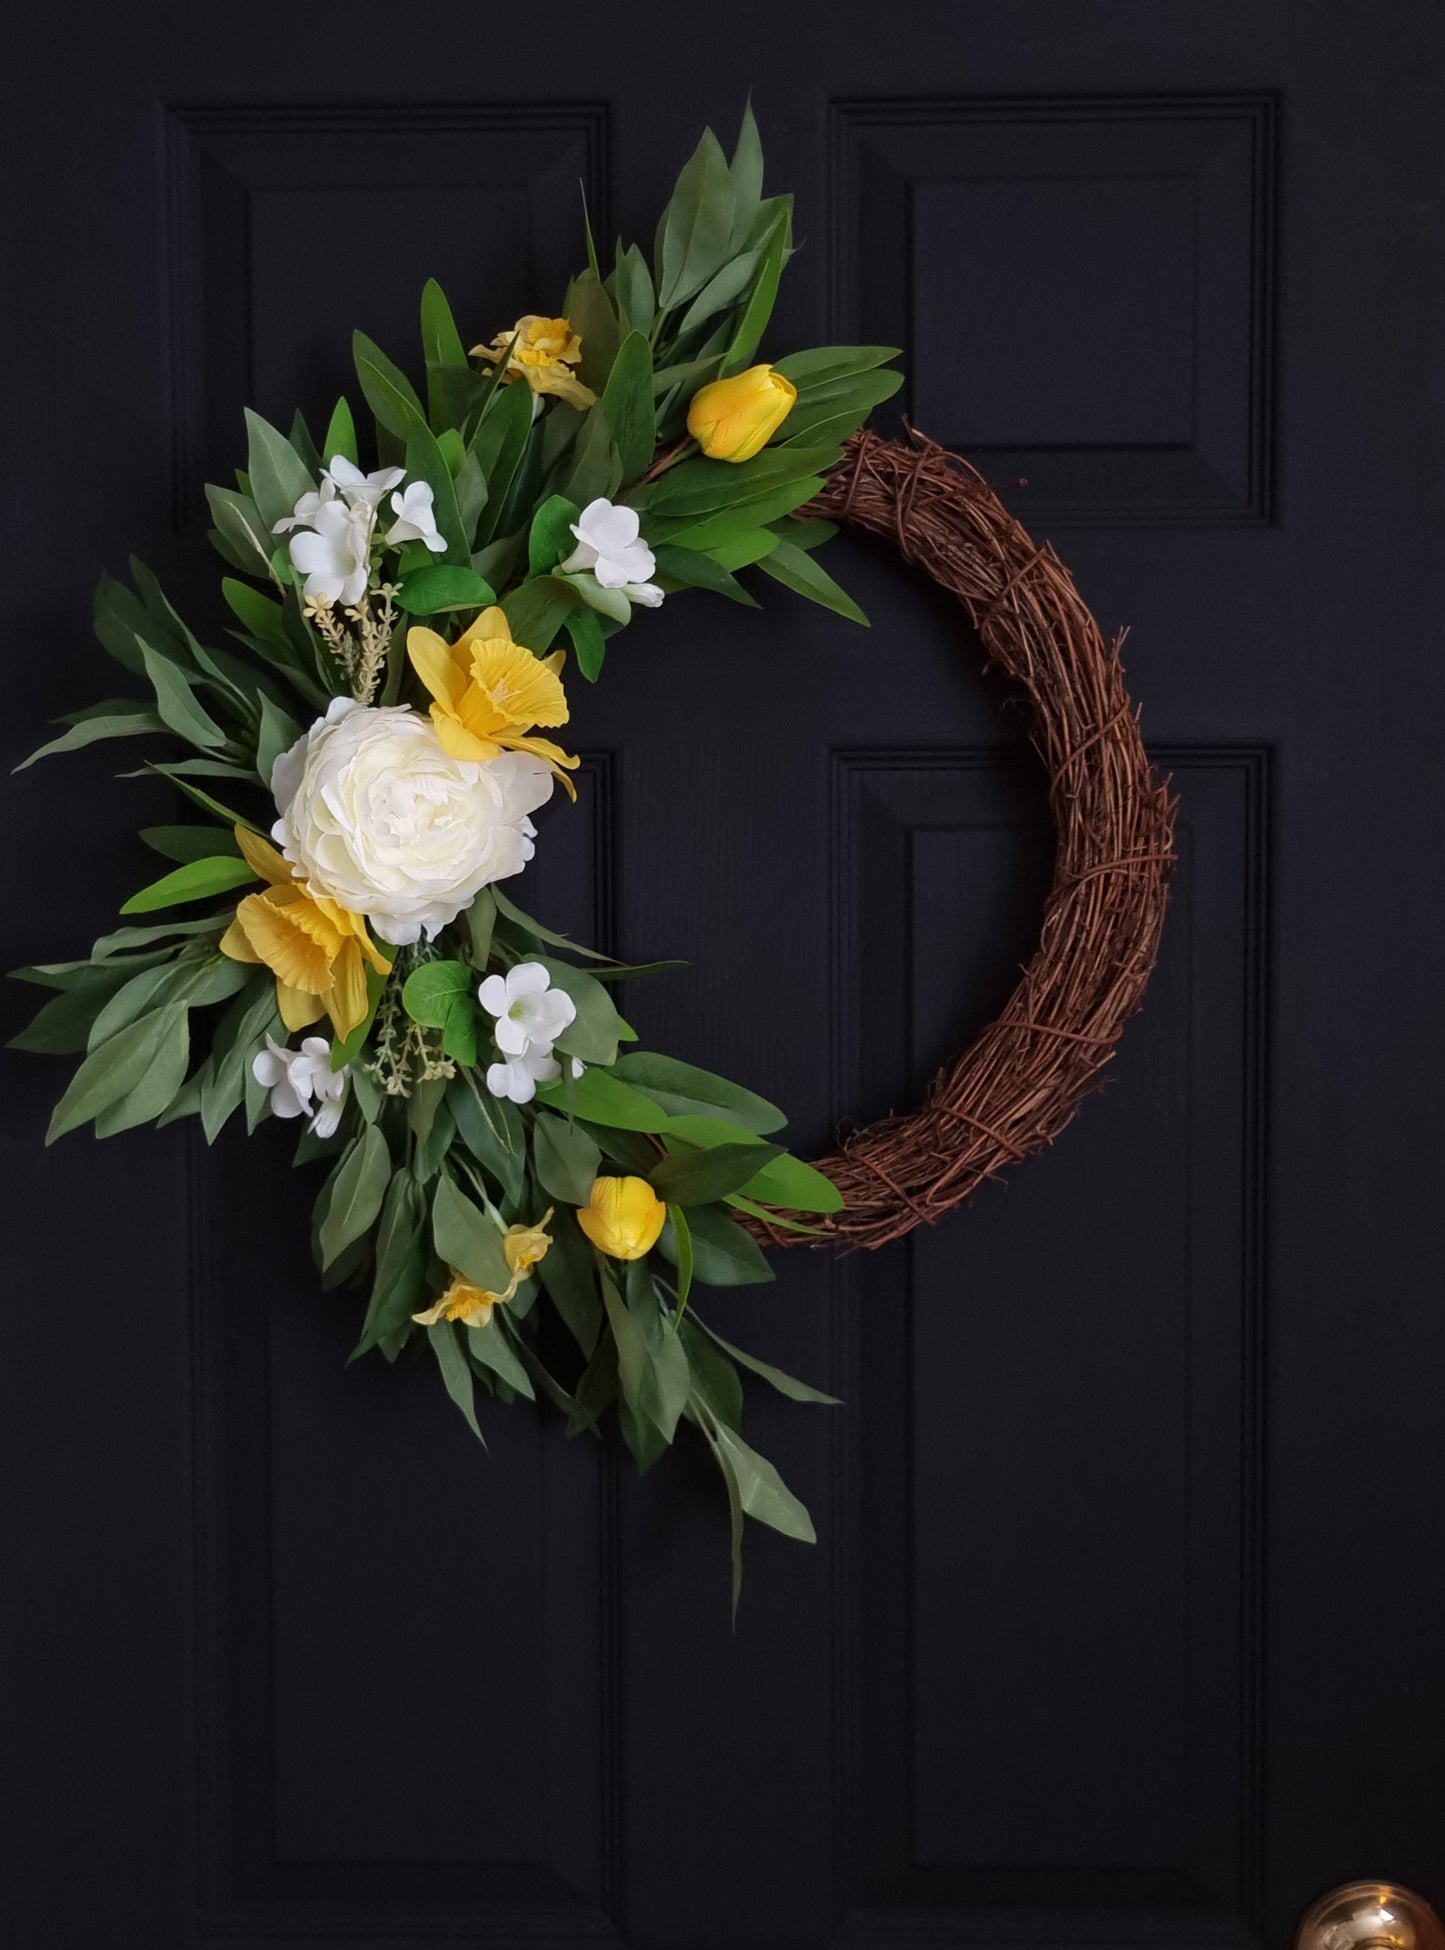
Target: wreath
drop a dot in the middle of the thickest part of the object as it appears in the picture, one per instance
(513, 1184)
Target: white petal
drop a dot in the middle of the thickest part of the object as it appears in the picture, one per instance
(610, 573)
(285, 1102)
(493, 995)
(512, 1037)
(499, 1079)
(527, 978)
(324, 1123)
(645, 594)
(268, 1068)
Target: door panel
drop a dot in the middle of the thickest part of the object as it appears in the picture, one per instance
(1124, 1622)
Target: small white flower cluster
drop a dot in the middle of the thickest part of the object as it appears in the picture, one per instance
(336, 527)
(611, 550)
(530, 1015)
(296, 1077)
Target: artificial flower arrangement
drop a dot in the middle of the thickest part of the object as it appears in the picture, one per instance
(367, 766)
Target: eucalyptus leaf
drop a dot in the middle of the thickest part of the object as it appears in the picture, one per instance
(467, 1239)
(358, 1190)
(456, 1375)
(722, 1253)
(565, 1159)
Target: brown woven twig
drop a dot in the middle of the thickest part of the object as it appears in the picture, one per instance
(1020, 1083)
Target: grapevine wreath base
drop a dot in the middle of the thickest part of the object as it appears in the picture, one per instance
(1016, 1088)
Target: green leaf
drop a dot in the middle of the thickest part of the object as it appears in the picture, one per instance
(568, 1272)
(509, 911)
(488, 1347)
(786, 1384)
(62, 1027)
(838, 407)
(550, 536)
(596, 468)
(277, 733)
(797, 1187)
(199, 880)
(797, 571)
(627, 405)
(763, 297)
(340, 435)
(467, 1239)
(826, 363)
(442, 345)
(425, 462)
(432, 991)
(535, 611)
(389, 393)
(240, 534)
(456, 1374)
(237, 1037)
(709, 1422)
(493, 1132)
(701, 487)
(714, 1378)
(259, 614)
(594, 318)
(602, 1098)
(154, 1090)
(632, 288)
(594, 1031)
(481, 919)
(682, 1087)
(134, 721)
(685, 568)
(651, 1363)
(277, 474)
(682, 1233)
(566, 1160)
(445, 586)
(722, 1253)
(703, 1177)
(400, 1263)
(746, 171)
(357, 1192)
(498, 448)
(142, 993)
(178, 705)
(762, 1493)
(588, 640)
(114, 1068)
(696, 225)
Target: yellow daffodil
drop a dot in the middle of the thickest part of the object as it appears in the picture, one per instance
(525, 1246)
(545, 351)
(488, 692)
(622, 1217)
(733, 419)
(472, 1305)
(316, 950)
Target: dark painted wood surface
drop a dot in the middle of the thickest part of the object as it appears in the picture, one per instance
(1125, 1627)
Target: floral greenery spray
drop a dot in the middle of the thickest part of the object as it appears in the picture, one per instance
(366, 770)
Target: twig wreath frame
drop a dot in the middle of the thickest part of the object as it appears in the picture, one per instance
(1016, 1087)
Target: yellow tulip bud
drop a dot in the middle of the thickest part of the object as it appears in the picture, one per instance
(622, 1217)
(733, 419)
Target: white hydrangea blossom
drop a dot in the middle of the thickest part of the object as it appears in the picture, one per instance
(298, 1077)
(610, 548)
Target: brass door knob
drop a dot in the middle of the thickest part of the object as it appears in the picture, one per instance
(1370, 1916)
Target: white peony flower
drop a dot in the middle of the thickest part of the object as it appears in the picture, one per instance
(334, 554)
(416, 519)
(295, 1077)
(530, 1013)
(611, 548)
(377, 817)
(519, 1076)
(362, 490)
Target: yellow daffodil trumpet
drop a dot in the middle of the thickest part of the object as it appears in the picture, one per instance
(622, 1217)
(488, 692)
(544, 352)
(316, 950)
(733, 419)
